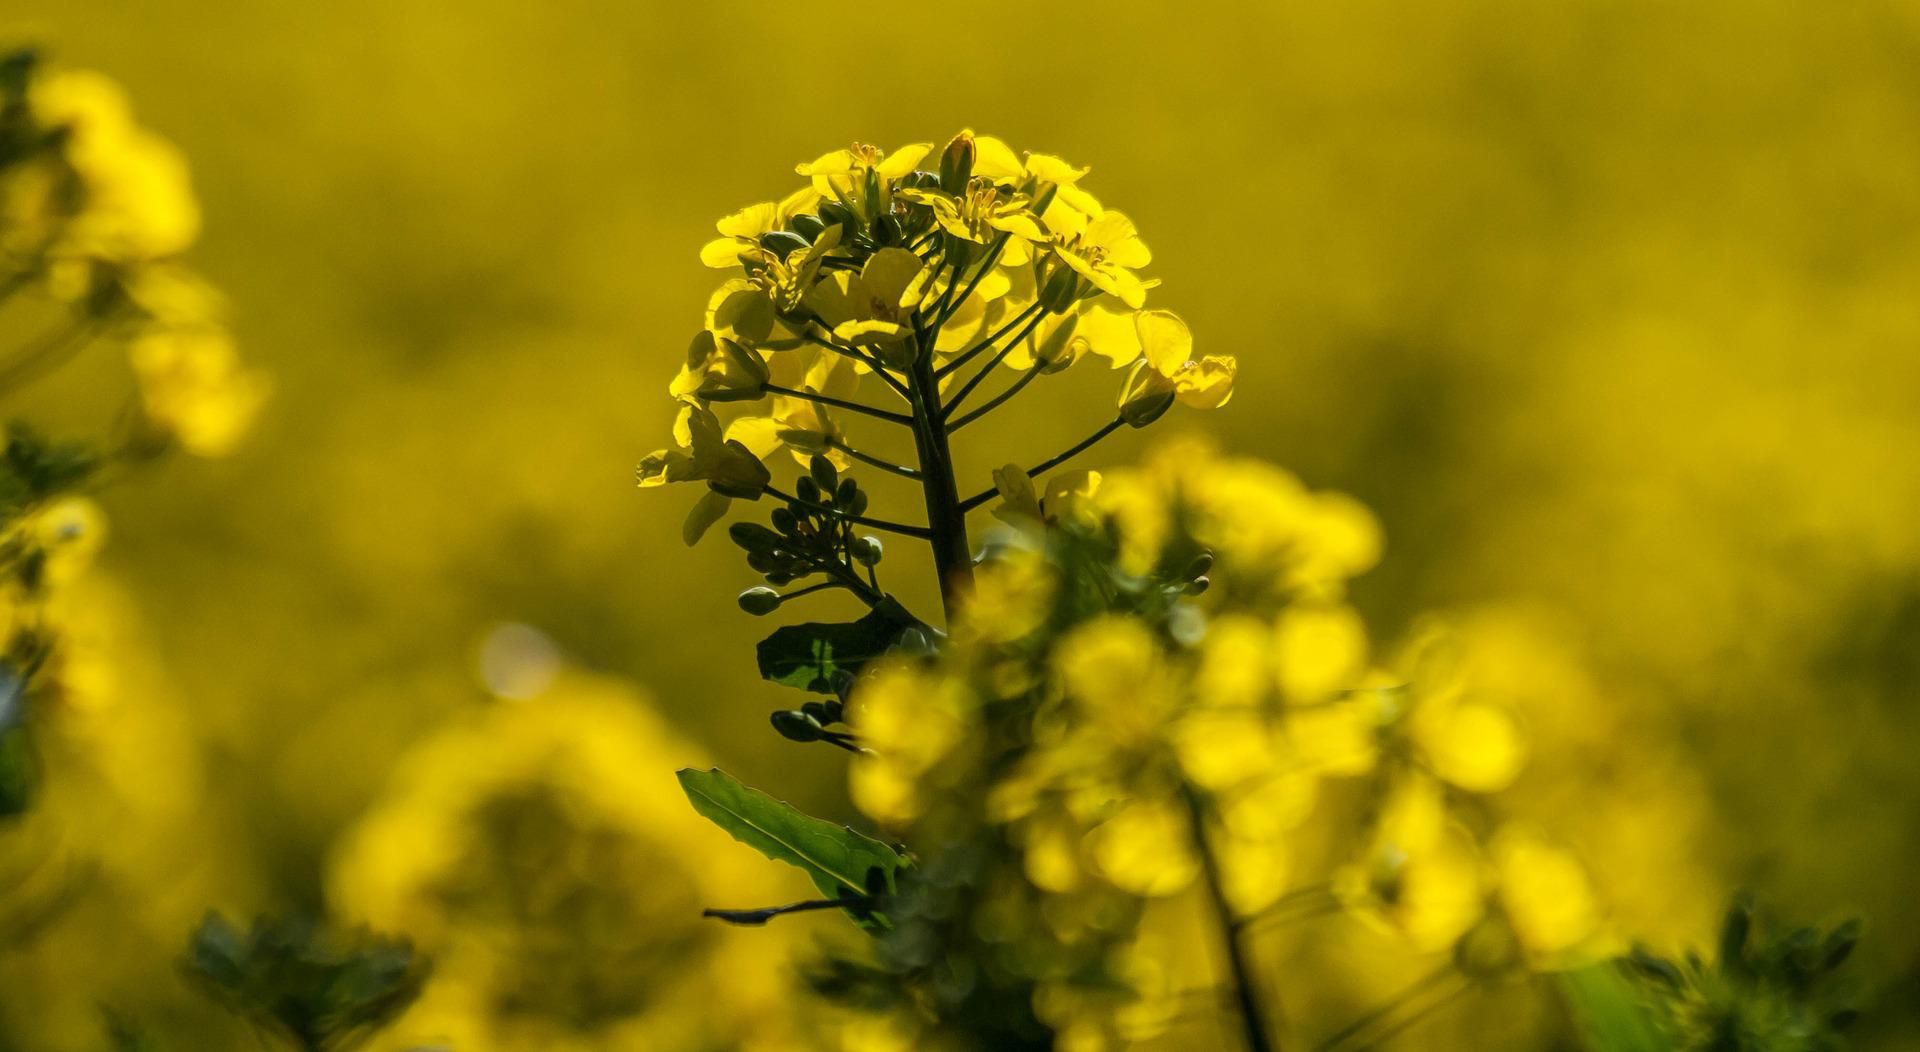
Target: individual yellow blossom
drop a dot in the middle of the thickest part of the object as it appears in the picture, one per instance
(193, 387)
(981, 214)
(1430, 894)
(909, 720)
(1146, 848)
(802, 427)
(740, 233)
(1546, 893)
(1011, 597)
(862, 176)
(538, 852)
(719, 370)
(1104, 249)
(870, 309)
(1318, 649)
(137, 203)
(705, 455)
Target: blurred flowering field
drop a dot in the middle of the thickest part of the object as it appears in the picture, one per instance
(1604, 310)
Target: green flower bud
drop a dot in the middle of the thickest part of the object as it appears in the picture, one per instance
(808, 227)
(752, 536)
(786, 521)
(783, 243)
(824, 474)
(858, 505)
(759, 601)
(794, 725)
(867, 550)
(1061, 291)
(956, 164)
(1145, 397)
(807, 490)
(845, 494)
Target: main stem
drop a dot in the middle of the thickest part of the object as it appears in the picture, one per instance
(952, 555)
(1253, 1016)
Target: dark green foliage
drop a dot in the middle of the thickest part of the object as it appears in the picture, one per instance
(316, 990)
(1766, 991)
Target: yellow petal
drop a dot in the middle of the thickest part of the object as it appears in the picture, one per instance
(1165, 340)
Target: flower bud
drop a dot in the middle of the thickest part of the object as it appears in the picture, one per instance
(807, 490)
(808, 227)
(1145, 396)
(783, 243)
(759, 601)
(795, 725)
(752, 536)
(823, 473)
(847, 493)
(1061, 291)
(867, 550)
(956, 164)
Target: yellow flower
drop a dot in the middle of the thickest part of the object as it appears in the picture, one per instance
(1546, 893)
(870, 309)
(909, 720)
(1103, 248)
(740, 233)
(981, 214)
(540, 853)
(193, 387)
(718, 369)
(803, 427)
(1145, 848)
(705, 454)
(1430, 893)
(1011, 598)
(1318, 649)
(862, 176)
(136, 202)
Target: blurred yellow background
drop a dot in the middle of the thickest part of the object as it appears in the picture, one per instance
(1607, 309)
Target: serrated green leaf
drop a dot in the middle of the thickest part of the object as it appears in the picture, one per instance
(808, 656)
(837, 858)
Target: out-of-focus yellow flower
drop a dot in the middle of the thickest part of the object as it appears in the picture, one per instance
(908, 720)
(1318, 649)
(1011, 597)
(136, 203)
(1427, 887)
(194, 388)
(1146, 848)
(1547, 895)
(538, 852)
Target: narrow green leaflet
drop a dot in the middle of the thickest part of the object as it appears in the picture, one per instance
(837, 858)
(1610, 1011)
(809, 655)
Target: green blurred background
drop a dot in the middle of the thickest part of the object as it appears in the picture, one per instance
(1607, 309)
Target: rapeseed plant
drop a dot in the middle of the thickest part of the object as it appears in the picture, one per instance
(1140, 686)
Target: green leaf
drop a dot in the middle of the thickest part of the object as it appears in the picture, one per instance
(1612, 1012)
(808, 656)
(837, 858)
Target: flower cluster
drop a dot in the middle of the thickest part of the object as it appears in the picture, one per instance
(891, 274)
(1155, 674)
(95, 213)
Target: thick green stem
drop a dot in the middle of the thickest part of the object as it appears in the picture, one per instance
(946, 520)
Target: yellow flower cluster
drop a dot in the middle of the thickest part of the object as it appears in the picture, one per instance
(95, 213)
(1146, 697)
(897, 270)
(537, 850)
